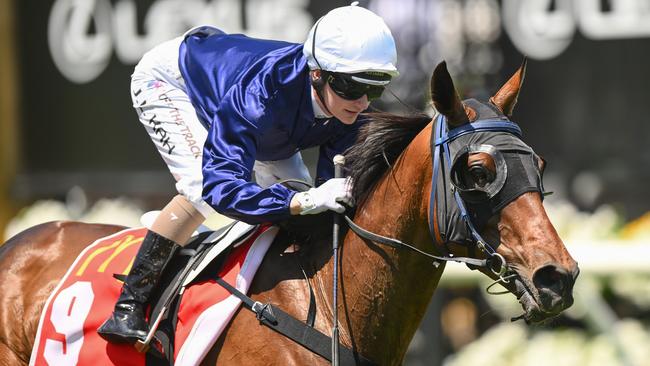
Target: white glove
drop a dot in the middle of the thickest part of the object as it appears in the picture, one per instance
(326, 197)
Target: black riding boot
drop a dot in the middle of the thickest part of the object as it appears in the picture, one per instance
(127, 323)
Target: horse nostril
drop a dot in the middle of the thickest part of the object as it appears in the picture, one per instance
(554, 285)
(552, 278)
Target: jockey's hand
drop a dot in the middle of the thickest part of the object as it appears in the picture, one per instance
(326, 197)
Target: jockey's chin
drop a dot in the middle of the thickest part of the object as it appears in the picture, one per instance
(346, 111)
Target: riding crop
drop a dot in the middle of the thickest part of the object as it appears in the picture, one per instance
(339, 162)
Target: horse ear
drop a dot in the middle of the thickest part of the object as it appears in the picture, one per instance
(445, 97)
(506, 98)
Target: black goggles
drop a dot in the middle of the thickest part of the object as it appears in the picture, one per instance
(346, 87)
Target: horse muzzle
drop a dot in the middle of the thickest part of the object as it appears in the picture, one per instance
(547, 293)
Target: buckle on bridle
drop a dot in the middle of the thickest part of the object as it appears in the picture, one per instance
(481, 245)
(502, 265)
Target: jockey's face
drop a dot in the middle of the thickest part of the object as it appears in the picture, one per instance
(344, 110)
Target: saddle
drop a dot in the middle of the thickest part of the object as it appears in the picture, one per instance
(198, 261)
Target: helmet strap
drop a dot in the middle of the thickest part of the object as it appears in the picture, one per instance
(319, 85)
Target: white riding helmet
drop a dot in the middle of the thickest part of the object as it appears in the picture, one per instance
(350, 40)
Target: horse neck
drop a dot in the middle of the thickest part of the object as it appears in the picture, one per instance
(386, 291)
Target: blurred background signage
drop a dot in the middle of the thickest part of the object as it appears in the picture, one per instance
(83, 35)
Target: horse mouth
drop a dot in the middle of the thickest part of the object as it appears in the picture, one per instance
(536, 312)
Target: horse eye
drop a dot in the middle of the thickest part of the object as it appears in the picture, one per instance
(480, 175)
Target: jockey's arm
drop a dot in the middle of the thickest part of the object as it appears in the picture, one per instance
(229, 156)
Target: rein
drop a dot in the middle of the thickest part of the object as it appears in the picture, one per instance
(376, 238)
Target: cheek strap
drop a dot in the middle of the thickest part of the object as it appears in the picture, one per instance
(319, 86)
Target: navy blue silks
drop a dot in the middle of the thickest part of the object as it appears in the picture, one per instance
(253, 96)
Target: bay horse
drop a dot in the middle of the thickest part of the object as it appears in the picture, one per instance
(384, 291)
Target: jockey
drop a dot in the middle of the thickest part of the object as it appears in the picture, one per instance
(221, 106)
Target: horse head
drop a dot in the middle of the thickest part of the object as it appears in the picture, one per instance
(497, 177)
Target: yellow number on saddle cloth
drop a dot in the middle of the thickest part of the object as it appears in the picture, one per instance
(120, 244)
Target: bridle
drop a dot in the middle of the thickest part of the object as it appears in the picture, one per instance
(441, 138)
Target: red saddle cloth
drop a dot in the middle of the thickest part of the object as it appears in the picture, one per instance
(87, 293)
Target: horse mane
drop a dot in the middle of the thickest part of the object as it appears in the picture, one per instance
(380, 142)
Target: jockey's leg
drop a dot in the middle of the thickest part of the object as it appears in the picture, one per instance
(175, 224)
(178, 220)
(166, 112)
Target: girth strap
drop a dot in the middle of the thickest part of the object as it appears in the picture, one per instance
(292, 328)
